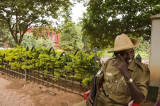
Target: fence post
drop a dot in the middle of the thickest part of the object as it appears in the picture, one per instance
(26, 70)
(54, 53)
(26, 75)
(2, 64)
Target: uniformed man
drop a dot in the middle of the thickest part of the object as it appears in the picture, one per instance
(123, 78)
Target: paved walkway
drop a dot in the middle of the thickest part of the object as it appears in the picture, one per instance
(9, 97)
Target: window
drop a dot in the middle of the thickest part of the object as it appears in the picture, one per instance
(53, 37)
(50, 36)
(46, 34)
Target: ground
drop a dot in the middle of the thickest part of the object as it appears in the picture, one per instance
(17, 92)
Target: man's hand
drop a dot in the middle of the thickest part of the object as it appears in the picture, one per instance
(136, 93)
(122, 66)
(89, 100)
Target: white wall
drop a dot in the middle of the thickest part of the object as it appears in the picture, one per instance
(154, 62)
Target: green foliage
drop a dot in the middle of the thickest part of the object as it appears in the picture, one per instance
(107, 18)
(78, 65)
(20, 15)
(144, 45)
(143, 49)
(3, 36)
(40, 32)
(71, 38)
(15, 57)
(2, 54)
(30, 41)
(11, 41)
(87, 81)
(81, 66)
(44, 43)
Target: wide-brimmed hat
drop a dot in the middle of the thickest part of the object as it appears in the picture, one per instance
(123, 42)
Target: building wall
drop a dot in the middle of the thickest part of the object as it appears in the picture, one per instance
(154, 62)
(159, 91)
(53, 36)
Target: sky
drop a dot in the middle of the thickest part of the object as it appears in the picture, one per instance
(77, 11)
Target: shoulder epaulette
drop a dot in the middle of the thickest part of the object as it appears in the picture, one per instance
(142, 66)
(112, 58)
(108, 60)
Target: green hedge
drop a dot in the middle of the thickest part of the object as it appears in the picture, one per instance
(75, 64)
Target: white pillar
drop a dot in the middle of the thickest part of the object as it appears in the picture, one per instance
(154, 62)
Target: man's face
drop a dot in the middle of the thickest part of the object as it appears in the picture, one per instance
(128, 55)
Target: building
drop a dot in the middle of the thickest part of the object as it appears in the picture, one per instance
(53, 36)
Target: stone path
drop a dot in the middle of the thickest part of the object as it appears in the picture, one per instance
(9, 97)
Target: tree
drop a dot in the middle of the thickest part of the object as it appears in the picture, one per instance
(30, 41)
(107, 18)
(71, 37)
(20, 15)
(4, 35)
